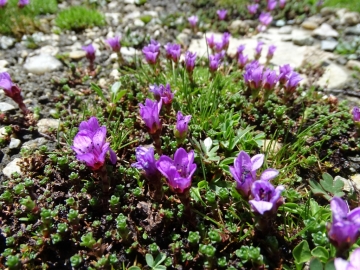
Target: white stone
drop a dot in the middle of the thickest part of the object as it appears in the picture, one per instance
(12, 167)
(356, 180)
(6, 42)
(14, 143)
(34, 144)
(47, 123)
(271, 147)
(115, 74)
(50, 50)
(285, 30)
(347, 183)
(41, 64)
(139, 23)
(3, 63)
(129, 51)
(4, 107)
(132, 15)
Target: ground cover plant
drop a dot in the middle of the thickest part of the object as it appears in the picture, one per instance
(185, 162)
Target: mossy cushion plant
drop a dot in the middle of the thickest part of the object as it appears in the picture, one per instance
(18, 21)
(78, 18)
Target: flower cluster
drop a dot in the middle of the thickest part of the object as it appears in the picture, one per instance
(190, 59)
(344, 230)
(3, 3)
(23, 3)
(356, 114)
(264, 196)
(181, 128)
(221, 14)
(265, 19)
(193, 20)
(253, 8)
(163, 93)
(90, 144)
(220, 44)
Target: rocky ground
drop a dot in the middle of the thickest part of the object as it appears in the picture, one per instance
(308, 43)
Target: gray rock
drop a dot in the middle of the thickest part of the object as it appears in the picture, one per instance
(325, 31)
(34, 144)
(285, 30)
(341, 60)
(328, 45)
(77, 55)
(5, 107)
(12, 167)
(326, 11)
(353, 64)
(139, 23)
(50, 50)
(302, 40)
(6, 42)
(350, 18)
(238, 27)
(129, 51)
(3, 133)
(356, 180)
(280, 23)
(355, 30)
(183, 38)
(44, 125)
(14, 143)
(41, 64)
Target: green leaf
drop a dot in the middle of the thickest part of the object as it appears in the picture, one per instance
(159, 267)
(321, 253)
(315, 264)
(115, 87)
(134, 268)
(160, 258)
(301, 252)
(149, 260)
(330, 265)
(119, 96)
(98, 91)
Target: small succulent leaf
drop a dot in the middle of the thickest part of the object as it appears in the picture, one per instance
(321, 253)
(327, 177)
(225, 144)
(115, 87)
(213, 151)
(160, 267)
(302, 252)
(207, 144)
(134, 268)
(315, 264)
(316, 188)
(160, 258)
(330, 265)
(149, 260)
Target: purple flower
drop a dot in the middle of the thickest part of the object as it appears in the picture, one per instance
(244, 171)
(225, 40)
(293, 82)
(3, 3)
(145, 160)
(23, 3)
(282, 3)
(271, 4)
(265, 18)
(353, 264)
(355, 113)
(114, 43)
(182, 125)
(173, 51)
(221, 14)
(240, 49)
(12, 90)
(210, 41)
(271, 51)
(90, 52)
(265, 197)
(178, 171)
(270, 79)
(190, 59)
(214, 61)
(345, 227)
(258, 49)
(285, 72)
(150, 114)
(90, 144)
(193, 20)
(242, 60)
(253, 8)
(319, 3)
(162, 92)
(254, 77)
(151, 52)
